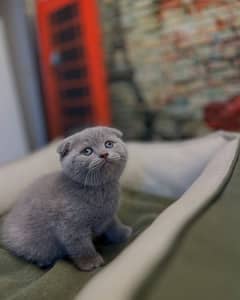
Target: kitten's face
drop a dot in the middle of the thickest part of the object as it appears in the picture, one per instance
(94, 156)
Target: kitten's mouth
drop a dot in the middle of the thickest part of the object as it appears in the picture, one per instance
(105, 161)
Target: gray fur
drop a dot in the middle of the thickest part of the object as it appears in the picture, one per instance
(62, 213)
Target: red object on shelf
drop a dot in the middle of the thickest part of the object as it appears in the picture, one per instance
(72, 65)
(223, 115)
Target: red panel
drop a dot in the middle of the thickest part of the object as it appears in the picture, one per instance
(95, 81)
(95, 59)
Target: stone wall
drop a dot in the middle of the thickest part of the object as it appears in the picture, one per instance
(182, 55)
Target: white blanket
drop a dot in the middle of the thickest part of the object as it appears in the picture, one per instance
(166, 169)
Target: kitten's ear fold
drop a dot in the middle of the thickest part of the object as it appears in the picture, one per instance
(64, 148)
(117, 132)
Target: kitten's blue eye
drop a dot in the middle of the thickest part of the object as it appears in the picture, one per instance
(109, 144)
(87, 151)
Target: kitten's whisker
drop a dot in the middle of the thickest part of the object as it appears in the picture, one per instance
(95, 177)
(92, 175)
(86, 178)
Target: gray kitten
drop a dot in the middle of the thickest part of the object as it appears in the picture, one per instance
(62, 213)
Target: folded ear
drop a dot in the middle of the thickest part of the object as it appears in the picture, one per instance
(117, 132)
(64, 148)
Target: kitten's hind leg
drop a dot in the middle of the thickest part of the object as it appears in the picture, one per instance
(43, 259)
(116, 232)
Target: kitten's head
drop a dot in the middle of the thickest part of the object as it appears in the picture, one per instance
(94, 156)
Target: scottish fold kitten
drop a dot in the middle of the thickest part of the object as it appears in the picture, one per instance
(62, 213)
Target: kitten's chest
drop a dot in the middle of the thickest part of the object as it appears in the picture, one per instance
(103, 204)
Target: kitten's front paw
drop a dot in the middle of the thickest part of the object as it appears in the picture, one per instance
(119, 236)
(88, 263)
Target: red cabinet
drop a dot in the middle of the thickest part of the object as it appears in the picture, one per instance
(72, 64)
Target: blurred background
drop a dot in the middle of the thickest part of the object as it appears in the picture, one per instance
(156, 69)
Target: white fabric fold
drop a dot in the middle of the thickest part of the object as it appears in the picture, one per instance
(169, 168)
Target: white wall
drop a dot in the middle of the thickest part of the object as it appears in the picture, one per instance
(21, 38)
(13, 141)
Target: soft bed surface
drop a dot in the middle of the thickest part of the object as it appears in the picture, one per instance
(202, 174)
(20, 280)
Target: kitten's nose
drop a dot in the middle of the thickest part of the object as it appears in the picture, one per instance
(104, 155)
